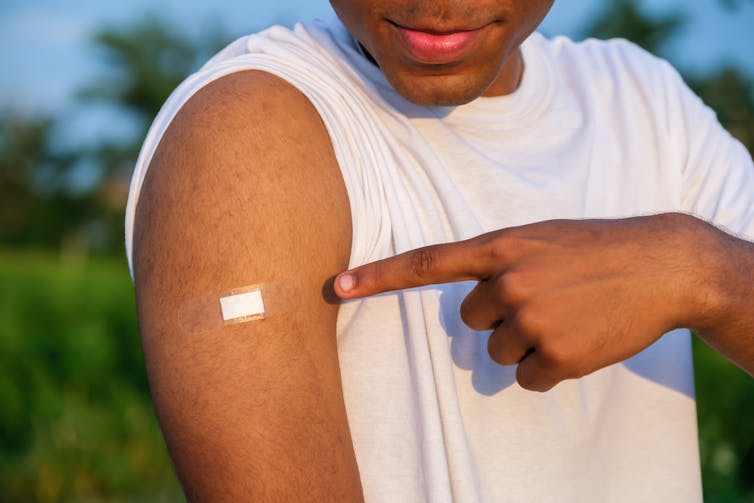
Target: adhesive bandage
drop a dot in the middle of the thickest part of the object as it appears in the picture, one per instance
(242, 306)
(257, 302)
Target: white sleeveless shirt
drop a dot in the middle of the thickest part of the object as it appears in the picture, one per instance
(596, 130)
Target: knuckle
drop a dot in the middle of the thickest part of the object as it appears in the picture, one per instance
(496, 251)
(465, 312)
(530, 379)
(423, 262)
(493, 346)
(498, 247)
(467, 315)
(526, 381)
(473, 315)
(506, 246)
(497, 356)
(497, 351)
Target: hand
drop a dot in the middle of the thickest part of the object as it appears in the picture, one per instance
(563, 298)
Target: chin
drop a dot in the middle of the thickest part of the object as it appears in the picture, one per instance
(448, 89)
(436, 91)
(439, 100)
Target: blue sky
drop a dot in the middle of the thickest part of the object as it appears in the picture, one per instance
(47, 53)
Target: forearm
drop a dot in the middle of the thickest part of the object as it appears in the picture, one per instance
(726, 294)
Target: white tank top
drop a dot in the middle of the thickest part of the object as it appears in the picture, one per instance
(596, 130)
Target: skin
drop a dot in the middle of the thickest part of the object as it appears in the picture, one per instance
(255, 411)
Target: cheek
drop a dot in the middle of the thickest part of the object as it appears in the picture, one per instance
(353, 14)
(532, 14)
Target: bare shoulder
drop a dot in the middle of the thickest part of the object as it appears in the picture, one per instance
(247, 134)
(244, 189)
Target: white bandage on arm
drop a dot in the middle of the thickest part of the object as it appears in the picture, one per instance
(240, 305)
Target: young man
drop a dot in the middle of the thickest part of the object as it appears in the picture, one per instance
(292, 156)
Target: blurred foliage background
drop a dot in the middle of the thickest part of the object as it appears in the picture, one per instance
(76, 422)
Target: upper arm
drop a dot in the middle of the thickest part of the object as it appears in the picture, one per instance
(245, 189)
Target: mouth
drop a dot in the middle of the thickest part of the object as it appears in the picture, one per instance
(434, 47)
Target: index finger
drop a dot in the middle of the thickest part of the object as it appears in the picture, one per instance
(443, 263)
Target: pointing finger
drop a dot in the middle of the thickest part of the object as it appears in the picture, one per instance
(444, 263)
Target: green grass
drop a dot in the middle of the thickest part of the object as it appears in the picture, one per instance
(76, 422)
(725, 403)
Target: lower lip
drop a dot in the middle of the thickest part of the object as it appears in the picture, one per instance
(437, 49)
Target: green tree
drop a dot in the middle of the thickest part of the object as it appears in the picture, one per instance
(37, 207)
(625, 19)
(41, 204)
(731, 94)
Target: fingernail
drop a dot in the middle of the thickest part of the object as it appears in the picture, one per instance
(346, 282)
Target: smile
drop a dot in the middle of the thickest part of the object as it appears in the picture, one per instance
(436, 48)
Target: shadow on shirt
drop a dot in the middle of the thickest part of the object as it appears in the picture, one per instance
(667, 362)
